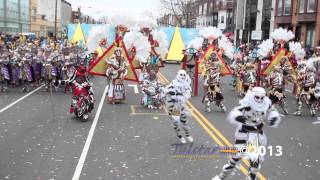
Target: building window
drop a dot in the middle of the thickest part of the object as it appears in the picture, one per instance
(12, 9)
(311, 6)
(200, 10)
(310, 36)
(287, 7)
(280, 7)
(222, 19)
(34, 14)
(301, 6)
(205, 9)
(2, 9)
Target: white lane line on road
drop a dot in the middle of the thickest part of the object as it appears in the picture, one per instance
(20, 99)
(86, 147)
(135, 87)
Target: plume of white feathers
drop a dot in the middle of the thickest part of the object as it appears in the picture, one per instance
(312, 61)
(140, 43)
(96, 34)
(146, 22)
(296, 48)
(211, 33)
(265, 47)
(161, 38)
(227, 46)
(123, 20)
(195, 43)
(282, 34)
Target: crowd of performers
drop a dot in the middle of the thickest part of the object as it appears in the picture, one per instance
(56, 65)
(260, 76)
(26, 64)
(293, 74)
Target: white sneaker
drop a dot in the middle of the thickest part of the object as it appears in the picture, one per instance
(183, 140)
(85, 117)
(190, 139)
(216, 178)
(223, 108)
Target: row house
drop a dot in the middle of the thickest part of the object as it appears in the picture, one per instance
(302, 17)
(217, 13)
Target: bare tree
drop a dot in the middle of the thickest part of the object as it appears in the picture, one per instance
(180, 9)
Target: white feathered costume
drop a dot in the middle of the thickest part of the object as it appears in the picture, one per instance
(250, 118)
(176, 96)
(96, 35)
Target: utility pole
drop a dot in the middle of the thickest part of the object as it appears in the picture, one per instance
(55, 20)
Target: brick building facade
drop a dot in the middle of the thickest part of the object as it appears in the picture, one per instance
(302, 17)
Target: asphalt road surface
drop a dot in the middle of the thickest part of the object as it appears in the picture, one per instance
(40, 140)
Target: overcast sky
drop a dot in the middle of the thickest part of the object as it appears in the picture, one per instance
(102, 8)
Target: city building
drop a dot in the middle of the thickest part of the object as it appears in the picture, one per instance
(168, 20)
(252, 20)
(205, 15)
(300, 16)
(225, 14)
(14, 16)
(79, 17)
(217, 13)
(42, 15)
(66, 12)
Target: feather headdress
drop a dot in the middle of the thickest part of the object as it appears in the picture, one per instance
(96, 34)
(162, 42)
(297, 50)
(147, 22)
(265, 47)
(195, 43)
(210, 33)
(135, 40)
(281, 34)
(226, 46)
(123, 20)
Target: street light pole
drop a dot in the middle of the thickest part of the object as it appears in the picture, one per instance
(55, 20)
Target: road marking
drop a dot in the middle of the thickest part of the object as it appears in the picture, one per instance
(20, 99)
(86, 147)
(133, 112)
(244, 170)
(135, 87)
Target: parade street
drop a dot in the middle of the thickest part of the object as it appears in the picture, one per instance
(40, 140)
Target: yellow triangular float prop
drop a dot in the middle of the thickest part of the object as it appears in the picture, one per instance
(276, 61)
(176, 47)
(99, 51)
(225, 70)
(100, 66)
(78, 36)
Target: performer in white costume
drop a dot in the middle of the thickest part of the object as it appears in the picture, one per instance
(249, 117)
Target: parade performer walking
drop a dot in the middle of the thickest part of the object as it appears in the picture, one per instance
(152, 90)
(176, 95)
(4, 73)
(306, 94)
(116, 72)
(276, 93)
(81, 88)
(212, 92)
(249, 117)
(25, 73)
